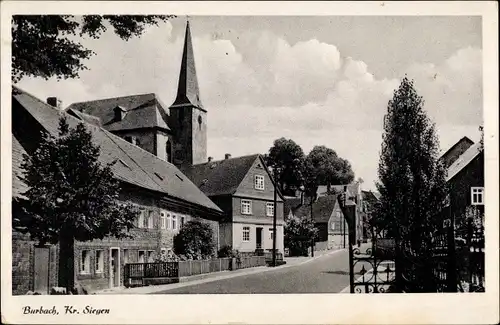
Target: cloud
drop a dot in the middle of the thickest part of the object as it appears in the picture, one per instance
(260, 87)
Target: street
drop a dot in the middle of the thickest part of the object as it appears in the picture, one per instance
(326, 274)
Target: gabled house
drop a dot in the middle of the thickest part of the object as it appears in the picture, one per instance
(166, 197)
(329, 220)
(354, 195)
(243, 188)
(465, 180)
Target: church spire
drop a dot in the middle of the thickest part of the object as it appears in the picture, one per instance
(188, 92)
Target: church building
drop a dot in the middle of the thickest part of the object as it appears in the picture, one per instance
(178, 135)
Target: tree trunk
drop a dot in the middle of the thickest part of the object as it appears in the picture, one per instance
(66, 272)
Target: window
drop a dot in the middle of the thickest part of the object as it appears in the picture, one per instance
(85, 262)
(151, 256)
(140, 219)
(150, 220)
(141, 258)
(132, 140)
(271, 233)
(259, 182)
(99, 261)
(168, 149)
(182, 222)
(174, 222)
(477, 195)
(163, 220)
(169, 221)
(246, 207)
(270, 209)
(246, 233)
(125, 256)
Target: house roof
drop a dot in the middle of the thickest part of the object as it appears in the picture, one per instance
(220, 177)
(188, 92)
(18, 186)
(133, 164)
(463, 160)
(291, 204)
(369, 196)
(322, 208)
(352, 189)
(141, 111)
(464, 140)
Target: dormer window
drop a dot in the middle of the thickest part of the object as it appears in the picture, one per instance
(119, 113)
(132, 140)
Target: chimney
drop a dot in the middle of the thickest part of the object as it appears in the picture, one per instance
(210, 159)
(54, 102)
(227, 156)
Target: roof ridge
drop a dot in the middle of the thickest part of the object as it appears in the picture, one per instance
(36, 98)
(232, 158)
(108, 98)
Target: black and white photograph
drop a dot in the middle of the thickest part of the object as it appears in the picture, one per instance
(181, 155)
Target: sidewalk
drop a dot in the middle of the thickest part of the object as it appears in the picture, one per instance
(210, 277)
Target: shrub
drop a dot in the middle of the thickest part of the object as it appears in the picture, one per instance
(195, 241)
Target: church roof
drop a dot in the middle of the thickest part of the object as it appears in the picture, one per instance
(133, 164)
(140, 111)
(188, 92)
(220, 177)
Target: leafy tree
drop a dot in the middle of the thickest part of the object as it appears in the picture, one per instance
(299, 232)
(70, 196)
(288, 157)
(411, 181)
(46, 45)
(324, 166)
(195, 240)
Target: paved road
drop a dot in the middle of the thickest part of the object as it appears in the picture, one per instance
(326, 274)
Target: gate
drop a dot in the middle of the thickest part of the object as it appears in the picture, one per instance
(372, 267)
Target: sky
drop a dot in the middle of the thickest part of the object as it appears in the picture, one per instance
(317, 80)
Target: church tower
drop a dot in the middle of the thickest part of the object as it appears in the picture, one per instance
(188, 117)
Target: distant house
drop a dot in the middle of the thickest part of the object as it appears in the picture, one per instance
(166, 197)
(243, 188)
(329, 220)
(465, 179)
(354, 195)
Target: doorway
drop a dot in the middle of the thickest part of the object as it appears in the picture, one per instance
(114, 267)
(258, 238)
(42, 262)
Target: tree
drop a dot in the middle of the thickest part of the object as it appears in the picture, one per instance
(46, 46)
(411, 180)
(195, 240)
(299, 232)
(288, 157)
(70, 196)
(324, 166)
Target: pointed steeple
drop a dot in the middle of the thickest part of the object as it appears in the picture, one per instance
(188, 92)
